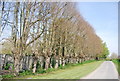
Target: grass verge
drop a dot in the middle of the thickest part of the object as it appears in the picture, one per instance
(117, 63)
(70, 71)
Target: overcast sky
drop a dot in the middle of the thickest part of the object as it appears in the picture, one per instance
(103, 16)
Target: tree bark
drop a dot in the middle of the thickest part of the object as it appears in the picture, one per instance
(56, 62)
(60, 61)
(30, 62)
(47, 63)
(63, 61)
(34, 66)
(17, 64)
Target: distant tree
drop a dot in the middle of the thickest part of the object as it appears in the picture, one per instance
(105, 51)
(113, 56)
(6, 47)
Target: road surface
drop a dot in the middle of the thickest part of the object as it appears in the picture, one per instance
(107, 70)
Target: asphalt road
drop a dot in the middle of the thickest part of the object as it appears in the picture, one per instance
(107, 70)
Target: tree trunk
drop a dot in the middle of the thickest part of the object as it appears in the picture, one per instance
(66, 61)
(30, 62)
(34, 66)
(82, 59)
(2, 61)
(51, 63)
(27, 63)
(63, 62)
(60, 61)
(21, 64)
(76, 60)
(47, 63)
(79, 60)
(42, 59)
(56, 63)
(17, 64)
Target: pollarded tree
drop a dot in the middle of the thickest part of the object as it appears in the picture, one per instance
(26, 16)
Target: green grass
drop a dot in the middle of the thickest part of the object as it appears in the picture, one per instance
(70, 71)
(7, 76)
(117, 63)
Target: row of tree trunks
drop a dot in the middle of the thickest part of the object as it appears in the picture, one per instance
(49, 63)
(45, 62)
